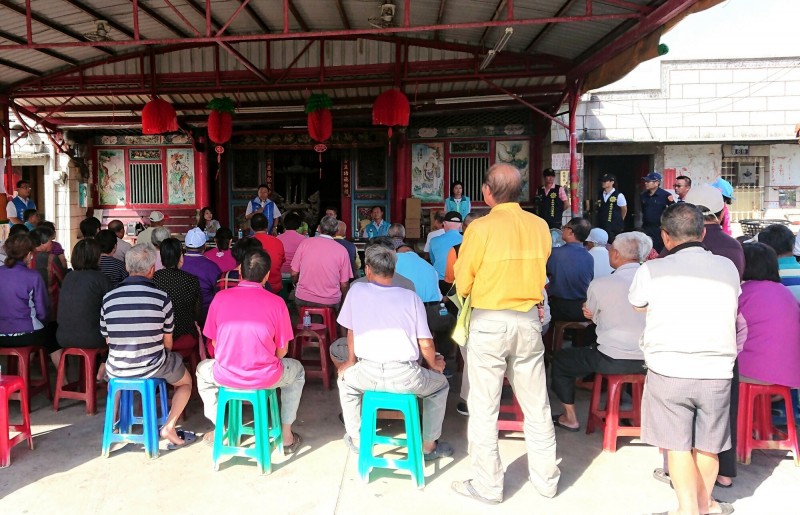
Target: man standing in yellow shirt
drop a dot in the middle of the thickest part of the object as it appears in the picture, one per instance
(502, 265)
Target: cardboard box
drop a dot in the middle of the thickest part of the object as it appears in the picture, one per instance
(413, 208)
(413, 233)
(411, 223)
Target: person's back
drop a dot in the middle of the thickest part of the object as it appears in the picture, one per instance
(618, 328)
(789, 271)
(78, 317)
(602, 267)
(571, 269)
(440, 246)
(291, 240)
(183, 289)
(701, 289)
(769, 320)
(114, 270)
(52, 272)
(352, 252)
(421, 273)
(206, 271)
(719, 243)
(323, 265)
(277, 254)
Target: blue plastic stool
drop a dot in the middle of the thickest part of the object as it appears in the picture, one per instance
(406, 403)
(150, 421)
(779, 417)
(266, 426)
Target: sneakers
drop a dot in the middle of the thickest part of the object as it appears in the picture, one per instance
(442, 450)
(462, 409)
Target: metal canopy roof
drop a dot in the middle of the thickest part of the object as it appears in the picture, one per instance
(268, 55)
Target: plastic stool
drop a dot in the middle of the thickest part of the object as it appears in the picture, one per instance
(150, 422)
(322, 367)
(9, 385)
(266, 426)
(85, 388)
(407, 404)
(755, 429)
(779, 419)
(23, 355)
(609, 417)
(328, 319)
(558, 328)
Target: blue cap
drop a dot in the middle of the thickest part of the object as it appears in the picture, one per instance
(652, 176)
(725, 187)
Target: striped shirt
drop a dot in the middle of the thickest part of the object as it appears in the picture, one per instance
(114, 269)
(134, 318)
(789, 271)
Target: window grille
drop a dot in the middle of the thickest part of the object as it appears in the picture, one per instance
(746, 175)
(146, 183)
(469, 170)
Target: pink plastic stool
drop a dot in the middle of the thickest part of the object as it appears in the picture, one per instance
(9, 385)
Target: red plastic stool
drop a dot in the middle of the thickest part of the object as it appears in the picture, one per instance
(22, 369)
(321, 367)
(557, 333)
(609, 417)
(328, 319)
(9, 385)
(85, 388)
(754, 425)
(515, 421)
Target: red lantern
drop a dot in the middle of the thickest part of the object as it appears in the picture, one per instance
(320, 125)
(391, 108)
(158, 117)
(220, 126)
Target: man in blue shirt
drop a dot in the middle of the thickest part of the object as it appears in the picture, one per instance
(262, 204)
(15, 209)
(441, 245)
(378, 226)
(654, 201)
(570, 269)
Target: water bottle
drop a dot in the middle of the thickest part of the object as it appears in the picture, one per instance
(307, 320)
(239, 234)
(442, 309)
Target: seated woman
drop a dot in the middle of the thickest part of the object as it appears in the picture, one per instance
(49, 267)
(25, 300)
(222, 254)
(206, 222)
(231, 278)
(81, 299)
(768, 325)
(184, 291)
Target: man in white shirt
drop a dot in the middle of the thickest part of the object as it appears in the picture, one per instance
(618, 328)
(597, 244)
(612, 207)
(118, 228)
(437, 226)
(689, 342)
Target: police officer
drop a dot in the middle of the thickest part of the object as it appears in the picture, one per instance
(611, 207)
(551, 200)
(654, 201)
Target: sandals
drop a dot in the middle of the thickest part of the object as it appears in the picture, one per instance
(726, 508)
(296, 443)
(187, 436)
(466, 489)
(662, 476)
(565, 427)
(350, 445)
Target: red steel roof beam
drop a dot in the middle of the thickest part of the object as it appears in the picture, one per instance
(183, 18)
(55, 55)
(136, 34)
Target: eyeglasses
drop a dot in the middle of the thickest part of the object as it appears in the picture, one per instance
(24, 187)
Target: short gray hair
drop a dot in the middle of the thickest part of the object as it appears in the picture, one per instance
(329, 225)
(380, 260)
(633, 245)
(140, 258)
(683, 222)
(159, 234)
(397, 231)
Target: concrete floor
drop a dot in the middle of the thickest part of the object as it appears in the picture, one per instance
(66, 475)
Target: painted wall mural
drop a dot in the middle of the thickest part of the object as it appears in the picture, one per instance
(111, 177)
(180, 176)
(427, 171)
(516, 153)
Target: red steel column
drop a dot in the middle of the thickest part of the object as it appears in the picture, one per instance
(400, 179)
(202, 175)
(573, 98)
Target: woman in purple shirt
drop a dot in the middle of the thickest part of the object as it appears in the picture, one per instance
(23, 289)
(768, 325)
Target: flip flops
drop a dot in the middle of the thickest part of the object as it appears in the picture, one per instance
(466, 489)
(350, 445)
(726, 508)
(296, 443)
(564, 427)
(187, 436)
(662, 476)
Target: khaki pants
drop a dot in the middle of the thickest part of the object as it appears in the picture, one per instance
(508, 343)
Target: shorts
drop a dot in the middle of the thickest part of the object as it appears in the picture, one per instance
(681, 414)
(172, 370)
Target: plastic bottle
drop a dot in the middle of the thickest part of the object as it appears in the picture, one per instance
(307, 320)
(442, 309)
(239, 234)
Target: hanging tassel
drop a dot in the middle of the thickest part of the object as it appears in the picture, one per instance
(219, 149)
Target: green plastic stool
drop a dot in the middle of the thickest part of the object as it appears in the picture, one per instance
(406, 403)
(266, 426)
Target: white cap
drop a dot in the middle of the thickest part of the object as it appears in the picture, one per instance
(598, 236)
(707, 196)
(156, 216)
(195, 238)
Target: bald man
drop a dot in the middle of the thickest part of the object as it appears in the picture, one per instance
(501, 264)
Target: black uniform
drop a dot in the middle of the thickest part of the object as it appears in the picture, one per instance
(609, 215)
(549, 206)
(652, 208)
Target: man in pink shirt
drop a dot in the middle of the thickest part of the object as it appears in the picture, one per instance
(321, 268)
(250, 345)
(291, 239)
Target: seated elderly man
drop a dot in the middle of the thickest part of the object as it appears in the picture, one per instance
(206, 271)
(597, 245)
(251, 345)
(618, 328)
(383, 352)
(321, 268)
(137, 321)
(570, 269)
(157, 235)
